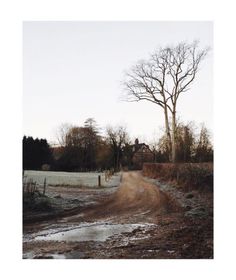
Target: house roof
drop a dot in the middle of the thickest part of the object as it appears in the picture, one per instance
(137, 147)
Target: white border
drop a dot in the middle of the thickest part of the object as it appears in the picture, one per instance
(12, 13)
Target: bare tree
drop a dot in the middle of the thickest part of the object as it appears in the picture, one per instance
(160, 80)
(118, 137)
(62, 133)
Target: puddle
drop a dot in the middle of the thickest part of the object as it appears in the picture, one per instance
(28, 255)
(74, 255)
(50, 256)
(32, 255)
(99, 232)
(86, 232)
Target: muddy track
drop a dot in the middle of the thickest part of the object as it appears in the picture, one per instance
(134, 195)
(52, 216)
(135, 220)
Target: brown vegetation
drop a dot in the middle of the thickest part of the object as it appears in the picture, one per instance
(187, 175)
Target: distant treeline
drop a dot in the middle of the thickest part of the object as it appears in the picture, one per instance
(190, 146)
(82, 148)
(36, 153)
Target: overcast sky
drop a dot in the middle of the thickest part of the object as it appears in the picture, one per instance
(73, 71)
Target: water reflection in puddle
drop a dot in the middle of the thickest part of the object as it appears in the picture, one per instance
(88, 232)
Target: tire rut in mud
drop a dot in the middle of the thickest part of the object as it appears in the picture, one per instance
(135, 195)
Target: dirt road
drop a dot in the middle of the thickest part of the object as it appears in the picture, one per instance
(135, 196)
(137, 220)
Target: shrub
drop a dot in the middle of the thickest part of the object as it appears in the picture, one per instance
(45, 167)
(36, 203)
(188, 175)
(33, 199)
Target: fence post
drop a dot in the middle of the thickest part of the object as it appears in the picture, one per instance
(99, 180)
(44, 186)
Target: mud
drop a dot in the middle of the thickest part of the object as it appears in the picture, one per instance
(137, 219)
(85, 232)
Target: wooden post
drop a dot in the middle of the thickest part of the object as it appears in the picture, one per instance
(99, 180)
(44, 186)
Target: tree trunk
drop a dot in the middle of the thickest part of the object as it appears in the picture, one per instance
(167, 127)
(118, 159)
(173, 150)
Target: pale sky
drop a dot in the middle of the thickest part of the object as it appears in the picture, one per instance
(73, 71)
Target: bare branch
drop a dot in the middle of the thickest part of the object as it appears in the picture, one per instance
(169, 72)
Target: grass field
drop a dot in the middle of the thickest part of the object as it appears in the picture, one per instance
(89, 179)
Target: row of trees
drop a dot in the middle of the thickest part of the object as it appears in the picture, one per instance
(83, 148)
(36, 152)
(190, 146)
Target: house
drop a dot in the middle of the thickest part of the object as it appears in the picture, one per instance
(141, 153)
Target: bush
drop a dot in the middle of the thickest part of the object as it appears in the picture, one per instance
(33, 199)
(45, 167)
(38, 202)
(188, 175)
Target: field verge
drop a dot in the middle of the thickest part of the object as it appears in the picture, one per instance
(186, 175)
